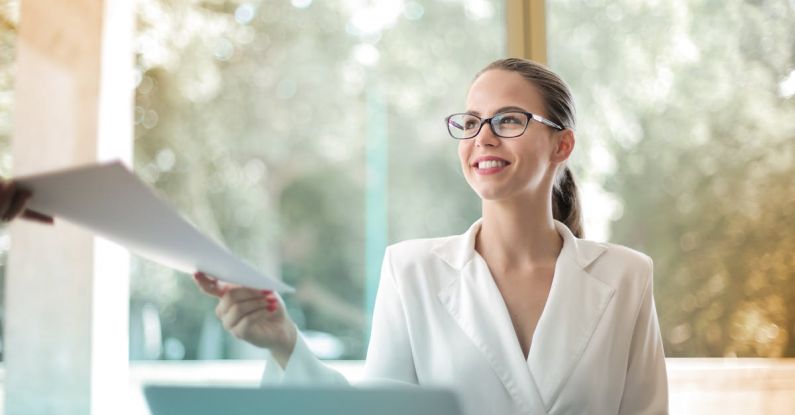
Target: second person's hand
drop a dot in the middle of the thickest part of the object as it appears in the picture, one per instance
(256, 316)
(13, 203)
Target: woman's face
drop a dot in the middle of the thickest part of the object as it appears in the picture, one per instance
(527, 163)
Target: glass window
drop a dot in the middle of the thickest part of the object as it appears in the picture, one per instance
(306, 136)
(686, 146)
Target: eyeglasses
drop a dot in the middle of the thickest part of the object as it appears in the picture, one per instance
(504, 124)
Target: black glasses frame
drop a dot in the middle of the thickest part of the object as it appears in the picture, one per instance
(490, 121)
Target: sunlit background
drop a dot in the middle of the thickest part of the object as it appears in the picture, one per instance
(307, 135)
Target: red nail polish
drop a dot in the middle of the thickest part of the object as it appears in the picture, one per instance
(271, 307)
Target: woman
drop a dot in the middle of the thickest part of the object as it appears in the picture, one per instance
(518, 315)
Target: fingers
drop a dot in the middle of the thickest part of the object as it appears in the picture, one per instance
(37, 217)
(244, 329)
(18, 201)
(273, 301)
(241, 309)
(238, 295)
(13, 202)
(7, 195)
(255, 316)
(237, 312)
(209, 285)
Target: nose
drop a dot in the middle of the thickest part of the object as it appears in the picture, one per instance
(486, 136)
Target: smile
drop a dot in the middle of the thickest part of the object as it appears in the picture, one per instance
(489, 164)
(487, 167)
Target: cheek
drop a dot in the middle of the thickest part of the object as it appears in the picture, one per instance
(534, 165)
(464, 151)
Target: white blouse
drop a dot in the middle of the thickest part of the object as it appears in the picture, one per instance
(440, 320)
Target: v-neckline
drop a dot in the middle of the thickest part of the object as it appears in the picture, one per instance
(506, 311)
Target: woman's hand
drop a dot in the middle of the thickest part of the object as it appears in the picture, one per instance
(255, 316)
(13, 201)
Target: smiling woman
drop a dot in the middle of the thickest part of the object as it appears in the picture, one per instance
(306, 136)
(507, 309)
(559, 104)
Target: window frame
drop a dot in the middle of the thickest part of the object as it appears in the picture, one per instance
(526, 29)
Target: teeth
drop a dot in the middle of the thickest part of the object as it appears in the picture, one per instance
(490, 164)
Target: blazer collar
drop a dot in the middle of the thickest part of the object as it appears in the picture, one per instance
(458, 250)
(575, 305)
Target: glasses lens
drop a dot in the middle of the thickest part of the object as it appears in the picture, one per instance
(463, 125)
(509, 124)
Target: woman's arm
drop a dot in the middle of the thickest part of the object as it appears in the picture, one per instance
(646, 385)
(389, 356)
(259, 318)
(302, 367)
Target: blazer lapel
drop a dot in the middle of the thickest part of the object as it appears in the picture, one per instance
(574, 307)
(474, 301)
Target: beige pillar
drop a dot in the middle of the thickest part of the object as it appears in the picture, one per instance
(66, 305)
(526, 29)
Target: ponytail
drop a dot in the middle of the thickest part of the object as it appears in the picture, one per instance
(566, 202)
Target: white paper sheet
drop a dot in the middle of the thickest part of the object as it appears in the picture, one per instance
(111, 201)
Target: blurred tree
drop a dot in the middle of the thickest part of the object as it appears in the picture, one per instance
(689, 100)
(9, 16)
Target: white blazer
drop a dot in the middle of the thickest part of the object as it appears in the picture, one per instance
(440, 320)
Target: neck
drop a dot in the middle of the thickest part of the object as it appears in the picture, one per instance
(518, 234)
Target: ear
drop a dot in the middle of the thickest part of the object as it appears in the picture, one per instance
(564, 145)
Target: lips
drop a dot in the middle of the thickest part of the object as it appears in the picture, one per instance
(489, 165)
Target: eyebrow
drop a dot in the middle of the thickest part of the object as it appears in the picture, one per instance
(503, 109)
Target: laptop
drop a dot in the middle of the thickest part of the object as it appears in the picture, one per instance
(294, 400)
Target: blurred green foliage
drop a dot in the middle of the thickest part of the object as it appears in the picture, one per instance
(694, 103)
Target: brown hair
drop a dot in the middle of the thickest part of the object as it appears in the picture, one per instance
(559, 107)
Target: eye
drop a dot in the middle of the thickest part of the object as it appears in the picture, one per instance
(511, 119)
(470, 124)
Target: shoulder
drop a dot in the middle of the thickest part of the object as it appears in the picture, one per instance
(415, 251)
(416, 263)
(623, 268)
(625, 257)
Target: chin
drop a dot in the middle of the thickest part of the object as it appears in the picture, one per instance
(490, 193)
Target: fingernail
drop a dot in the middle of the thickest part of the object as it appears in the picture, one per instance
(271, 307)
(266, 291)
